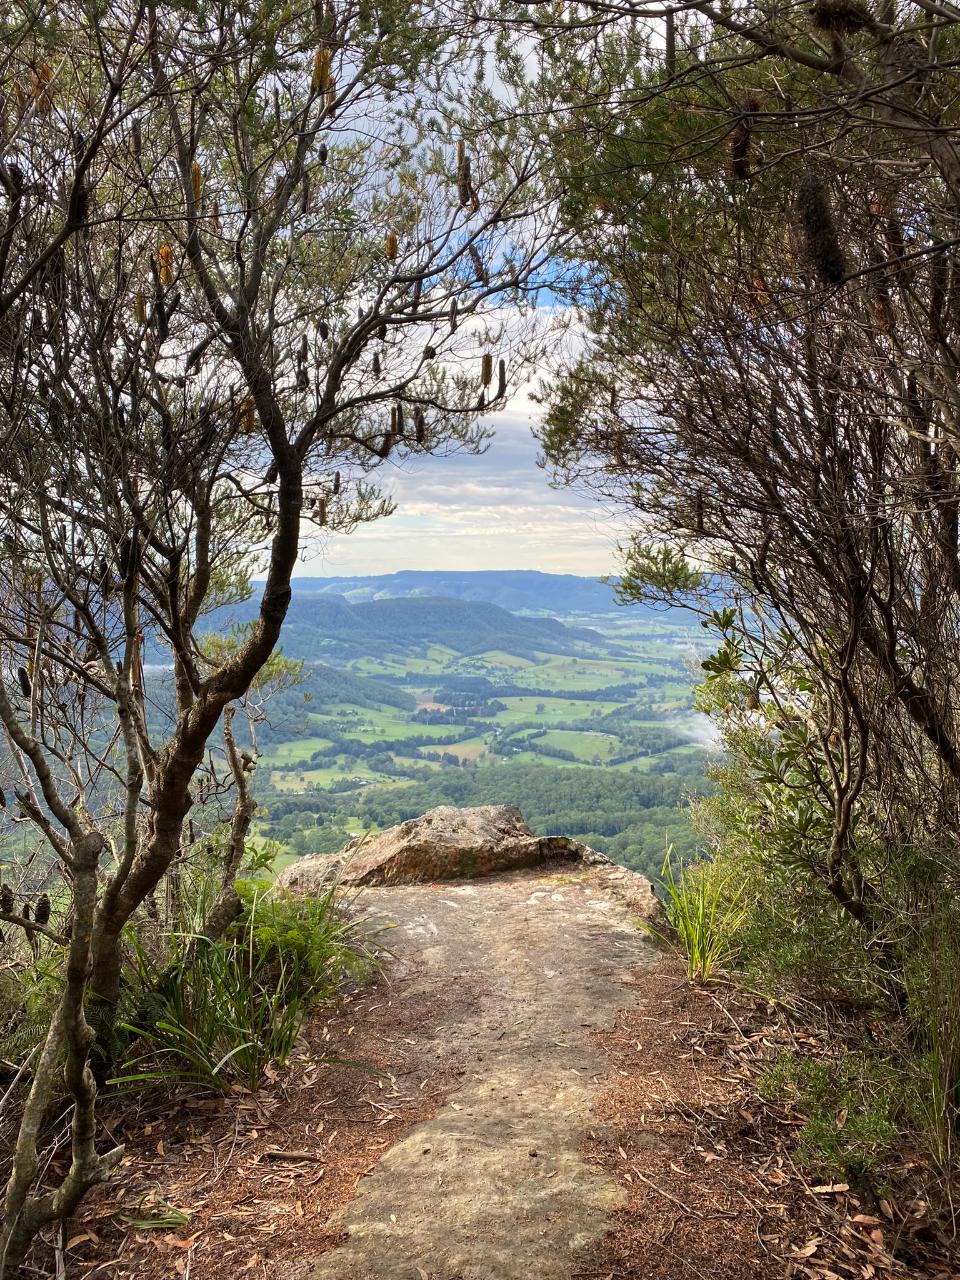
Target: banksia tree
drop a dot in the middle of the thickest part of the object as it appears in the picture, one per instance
(194, 397)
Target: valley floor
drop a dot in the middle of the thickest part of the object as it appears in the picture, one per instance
(529, 1090)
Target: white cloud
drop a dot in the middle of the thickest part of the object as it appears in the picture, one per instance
(496, 511)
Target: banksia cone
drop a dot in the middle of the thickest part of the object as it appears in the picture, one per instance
(420, 425)
(390, 246)
(819, 231)
(753, 700)
(399, 428)
(136, 136)
(478, 267)
(320, 512)
(6, 899)
(841, 17)
(323, 329)
(453, 315)
(196, 177)
(464, 188)
(24, 681)
(40, 89)
(336, 483)
(322, 153)
(376, 364)
(3, 799)
(739, 149)
(429, 353)
(486, 369)
(246, 415)
(322, 79)
(140, 307)
(501, 379)
(165, 264)
(382, 331)
(42, 913)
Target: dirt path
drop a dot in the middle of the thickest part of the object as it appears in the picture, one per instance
(529, 1090)
(495, 1185)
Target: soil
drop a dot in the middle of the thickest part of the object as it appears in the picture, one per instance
(531, 1089)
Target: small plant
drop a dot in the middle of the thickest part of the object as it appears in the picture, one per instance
(848, 1104)
(223, 1011)
(704, 912)
(163, 1216)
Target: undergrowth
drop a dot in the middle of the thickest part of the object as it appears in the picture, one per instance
(217, 1014)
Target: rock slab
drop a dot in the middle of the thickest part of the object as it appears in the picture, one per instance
(455, 844)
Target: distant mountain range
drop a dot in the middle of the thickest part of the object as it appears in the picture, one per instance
(325, 627)
(521, 590)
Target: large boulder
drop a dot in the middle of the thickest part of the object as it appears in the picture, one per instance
(445, 844)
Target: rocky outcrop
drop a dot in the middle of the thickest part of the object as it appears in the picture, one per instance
(451, 844)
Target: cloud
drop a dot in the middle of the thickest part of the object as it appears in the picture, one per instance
(495, 511)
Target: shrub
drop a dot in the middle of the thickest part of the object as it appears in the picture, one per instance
(222, 1011)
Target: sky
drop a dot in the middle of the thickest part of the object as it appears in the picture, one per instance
(496, 511)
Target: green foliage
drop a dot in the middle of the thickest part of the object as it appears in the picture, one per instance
(221, 1012)
(704, 912)
(851, 1106)
(650, 567)
(933, 1000)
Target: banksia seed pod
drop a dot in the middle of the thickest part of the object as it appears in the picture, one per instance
(486, 369)
(464, 187)
(322, 78)
(136, 137)
(3, 799)
(323, 329)
(6, 899)
(429, 353)
(382, 331)
(24, 681)
(320, 512)
(376, 364)
(399, 429)
(336, 483)
(140, 307)
(478, 267)
(420, 425)
(753, 700)
(196, 177)
(841, 17)
(246, 415)
(738, 145)
(42, 92)
(42, 913)
(820, 234)
(453, 315)
(390, 246)
(501, 379)
(322, 153)
(165, 263)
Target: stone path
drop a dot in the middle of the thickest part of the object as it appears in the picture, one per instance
(494, 1187)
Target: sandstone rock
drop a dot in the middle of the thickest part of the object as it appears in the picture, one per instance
(449, 844)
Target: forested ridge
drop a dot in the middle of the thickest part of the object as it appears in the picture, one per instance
(253, 259)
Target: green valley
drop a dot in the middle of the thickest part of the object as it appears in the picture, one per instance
(585, 722)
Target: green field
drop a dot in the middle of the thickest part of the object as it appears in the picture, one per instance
(519, 722)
